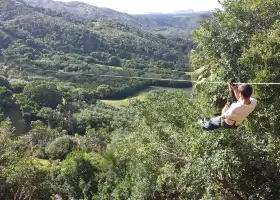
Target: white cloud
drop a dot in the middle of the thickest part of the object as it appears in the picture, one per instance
(149, 6)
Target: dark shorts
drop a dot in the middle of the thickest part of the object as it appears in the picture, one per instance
(226, 126)
(215, 123)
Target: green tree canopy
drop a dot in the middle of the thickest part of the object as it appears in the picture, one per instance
(44, 94)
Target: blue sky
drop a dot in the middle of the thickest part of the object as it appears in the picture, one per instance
(150, 6)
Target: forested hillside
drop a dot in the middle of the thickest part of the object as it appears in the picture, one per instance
(59, 141)
(176, 25)
(167, 24)
(50, 44)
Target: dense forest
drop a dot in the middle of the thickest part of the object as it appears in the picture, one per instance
(59, 141)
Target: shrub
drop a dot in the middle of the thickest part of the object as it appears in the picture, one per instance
(60, 148)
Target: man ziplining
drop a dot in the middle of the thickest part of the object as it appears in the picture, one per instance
(233, 115)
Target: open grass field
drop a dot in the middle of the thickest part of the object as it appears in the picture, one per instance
(141, 95)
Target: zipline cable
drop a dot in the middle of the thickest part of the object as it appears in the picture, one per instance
(178, 80)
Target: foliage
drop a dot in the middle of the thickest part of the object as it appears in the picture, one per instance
(60, 147)
(26, 179)
(99, 117)
(17, 87)
(5, 96)
(43, 94)
(103, 90)
(76, 177)
(5, 140)
(40, 137)
(4, 82)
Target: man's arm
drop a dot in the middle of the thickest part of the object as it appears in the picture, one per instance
(226, 108)
(236, 92)
(229, 112)
(232, 86)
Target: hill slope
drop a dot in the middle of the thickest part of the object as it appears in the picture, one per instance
(65, 47)
(55, 30)
(91, 12)
(179, 25)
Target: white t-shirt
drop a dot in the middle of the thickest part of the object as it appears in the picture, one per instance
(239, 111)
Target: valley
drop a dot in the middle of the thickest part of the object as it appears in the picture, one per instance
(65, 42)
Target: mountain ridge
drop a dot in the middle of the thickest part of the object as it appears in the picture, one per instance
(166, 24)
(88, 11)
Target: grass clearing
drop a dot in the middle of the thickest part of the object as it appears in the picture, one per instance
(142, 95)
(116, 68)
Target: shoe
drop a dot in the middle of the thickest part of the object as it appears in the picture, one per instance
(201, 122)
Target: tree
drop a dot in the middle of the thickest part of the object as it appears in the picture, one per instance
(5, 141)
(103, 90)
(5, 97)
(17, 87)
(115, 61)
(41, 135)
(60, 147)
(77, 177)
(54, 118)
(262, 61)
(27, 179)
(4, 82)
(44, 94)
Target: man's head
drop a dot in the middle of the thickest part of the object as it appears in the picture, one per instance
(245, 90)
